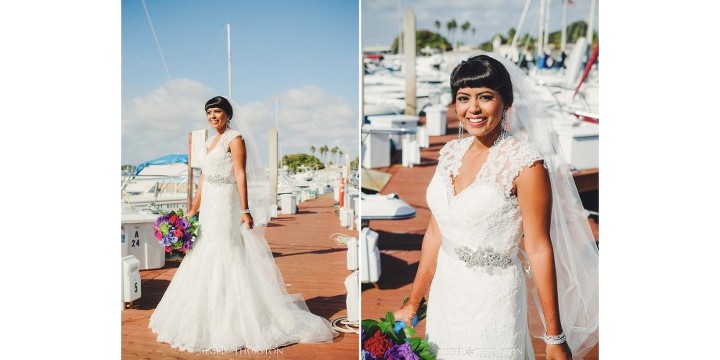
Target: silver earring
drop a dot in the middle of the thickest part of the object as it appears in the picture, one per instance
(503, 122)
(460, 131)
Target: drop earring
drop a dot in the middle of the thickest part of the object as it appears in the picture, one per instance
(503, 122)
(460, 130)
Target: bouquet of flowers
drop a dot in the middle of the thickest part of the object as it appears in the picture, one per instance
(175, 232)
(390, 339)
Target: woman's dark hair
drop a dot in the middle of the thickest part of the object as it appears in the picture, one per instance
(220, 102)
(482, 71)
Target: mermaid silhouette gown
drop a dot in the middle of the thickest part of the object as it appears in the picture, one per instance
(477, 306)
(228, 294)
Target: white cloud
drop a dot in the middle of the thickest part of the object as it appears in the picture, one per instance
(158, 124)
(308, 116)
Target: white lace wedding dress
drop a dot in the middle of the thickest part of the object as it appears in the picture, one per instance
(477, 306)
(228, 294)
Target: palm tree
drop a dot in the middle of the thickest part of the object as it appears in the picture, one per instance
(464, 27)
(334, 151)
(473, 35)
(323, 151)
(451, 26)
(340, 154)
(312, 150)
(437, 26)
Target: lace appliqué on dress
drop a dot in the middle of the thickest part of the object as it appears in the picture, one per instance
(450, 160)
(506, 163)
(227, 137)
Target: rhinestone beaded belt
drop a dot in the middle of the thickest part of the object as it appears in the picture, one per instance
(220, 180)
(482, 256)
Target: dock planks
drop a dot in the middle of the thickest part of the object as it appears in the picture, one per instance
(311, 264)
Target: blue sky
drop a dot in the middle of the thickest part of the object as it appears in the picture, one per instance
(302, 53)
(489, 17)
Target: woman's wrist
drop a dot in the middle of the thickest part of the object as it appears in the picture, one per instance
(244, 211)
(554, 339)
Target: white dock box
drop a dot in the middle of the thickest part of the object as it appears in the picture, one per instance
(580, 146)
(400, 121)
(288, 203)
(352, 301)
(436, 120)
(352, 254)
(140, 241)
(369, 256)
(375, 151)
(130, 279)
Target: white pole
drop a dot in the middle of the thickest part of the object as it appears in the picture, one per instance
(400, 26)
(229, 66)
(591, 23)
(513, 47)
(547, 25)
(563, 30)
(541, 29)
(409, 68)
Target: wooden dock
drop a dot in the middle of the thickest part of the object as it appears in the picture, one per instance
(400, 241)
(311, 264)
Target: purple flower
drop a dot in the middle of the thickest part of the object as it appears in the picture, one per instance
(168, 239)
(183, 223)
(401, 352)
(366, 355)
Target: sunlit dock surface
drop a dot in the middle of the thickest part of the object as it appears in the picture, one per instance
(311, 264)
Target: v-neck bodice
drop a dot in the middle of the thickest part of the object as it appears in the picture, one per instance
(217, 165)
(485, 212)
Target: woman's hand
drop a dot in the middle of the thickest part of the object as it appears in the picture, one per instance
(405, 314)
(247, 220)
(558, 352)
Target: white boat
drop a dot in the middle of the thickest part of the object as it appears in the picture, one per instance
(157, 185)
(385, 207)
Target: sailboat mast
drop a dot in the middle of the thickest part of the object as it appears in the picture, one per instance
(547, 26)
(513, 47)
(591, 23)
(563, 30)
(229, 64)
(541, 30)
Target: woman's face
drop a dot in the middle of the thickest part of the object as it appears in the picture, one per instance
(479, 110)
(217, 118)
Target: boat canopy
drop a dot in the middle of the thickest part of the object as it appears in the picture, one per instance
(165, 160)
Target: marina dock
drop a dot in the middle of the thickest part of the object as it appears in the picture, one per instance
(400, 241)
(311, 264)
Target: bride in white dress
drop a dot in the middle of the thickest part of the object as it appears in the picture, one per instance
(492, 190)
(228, 294)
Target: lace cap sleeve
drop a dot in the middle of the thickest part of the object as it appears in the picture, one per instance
(228, 137)
(450, 157)
(523, 155)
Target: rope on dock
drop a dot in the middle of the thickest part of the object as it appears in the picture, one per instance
(346, 326)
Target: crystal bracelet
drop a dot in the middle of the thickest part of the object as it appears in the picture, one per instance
(554, 340)
(244, 211)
